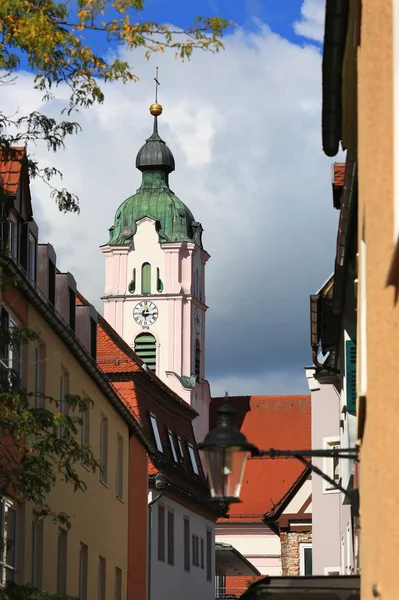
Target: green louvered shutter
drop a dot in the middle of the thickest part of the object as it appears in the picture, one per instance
(350, 348)
(145, 347)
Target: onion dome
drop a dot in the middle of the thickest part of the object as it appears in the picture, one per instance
(155, 154)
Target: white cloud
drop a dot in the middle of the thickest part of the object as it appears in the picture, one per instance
(244, 127)
(311, 24)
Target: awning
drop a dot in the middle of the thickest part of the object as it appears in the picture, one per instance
(232, 562)
(318, 587)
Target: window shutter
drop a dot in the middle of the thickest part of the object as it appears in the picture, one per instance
(350, 347)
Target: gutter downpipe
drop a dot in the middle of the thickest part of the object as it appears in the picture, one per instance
(160, 485)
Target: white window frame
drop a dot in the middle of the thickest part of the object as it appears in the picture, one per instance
(13, 236)
(329, 443)
(7, 503)
(302, 547)
(155, 431)
(180, 447)
(172, 445)
(193, 458)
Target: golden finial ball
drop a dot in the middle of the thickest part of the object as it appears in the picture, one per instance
(156, 109)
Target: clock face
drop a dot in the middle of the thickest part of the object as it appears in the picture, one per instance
(197, 320)
(145, 313)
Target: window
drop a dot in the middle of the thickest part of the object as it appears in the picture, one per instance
(146, 348)
(146, 278)
(180, 449)
(102, 567)
(11, 354)
(161, 532)
(172, 445)
(13, 237)
(64, 391)
(197, 359)
(132, 284)
(72, 309)
(350, 365)
(39, 375)
(93, 338)
(104, 449)
(119, 467)
(202, 554)
(220, 583)
(171, 537)
(196, 284)
(8, 554)
(51, 282)
(331, 465)
(83, 566)
(195, 550)
(193, 459)
(32, 257)
(155, 431)
(186, 542)
(159, 283)
(62, 562)
(37, 551)
(208, 555)
(305, 559)
(118, 584)
(85, 430)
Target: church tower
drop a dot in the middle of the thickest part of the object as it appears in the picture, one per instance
(155, 279)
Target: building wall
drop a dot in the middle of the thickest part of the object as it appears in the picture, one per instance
(259, 544)
(173, 581)
(98, 519)
(290, 551)
(379, 471)
(138, 521)
(326, 520)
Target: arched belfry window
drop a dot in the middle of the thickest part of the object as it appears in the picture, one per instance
(197, 358)
(145, 348)
(146, 278)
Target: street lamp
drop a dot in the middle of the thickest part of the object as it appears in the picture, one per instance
(226, 450)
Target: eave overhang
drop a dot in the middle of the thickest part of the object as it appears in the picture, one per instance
(318, 587)
(335, 30)
(232, 562)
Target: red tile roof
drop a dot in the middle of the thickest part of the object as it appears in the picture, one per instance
(237, 585)
(338, 174)
(281, 422)
(143, 392)
(10, 170)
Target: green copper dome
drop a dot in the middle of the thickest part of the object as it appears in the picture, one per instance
(155, 199)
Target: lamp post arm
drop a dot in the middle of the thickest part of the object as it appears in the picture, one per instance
(349, 453)
(318, 471)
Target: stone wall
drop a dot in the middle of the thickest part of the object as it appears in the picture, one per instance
(290, 541)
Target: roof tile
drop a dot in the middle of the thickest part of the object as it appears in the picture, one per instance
(281, 422)
(10, 171)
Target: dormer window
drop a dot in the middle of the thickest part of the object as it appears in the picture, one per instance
(13, 236)
(193, 458)
(180, 450)
(172, 445)
(32, 257)
(155, 431)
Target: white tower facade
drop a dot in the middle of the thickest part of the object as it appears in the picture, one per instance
(155, 280)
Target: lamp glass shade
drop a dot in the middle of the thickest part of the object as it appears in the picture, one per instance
(226, 468)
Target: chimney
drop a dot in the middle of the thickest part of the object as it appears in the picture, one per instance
(65, 297)
(86, 327)
(45, 271)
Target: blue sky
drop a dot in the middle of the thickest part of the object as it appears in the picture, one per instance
(251, 168)
(278, 14)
